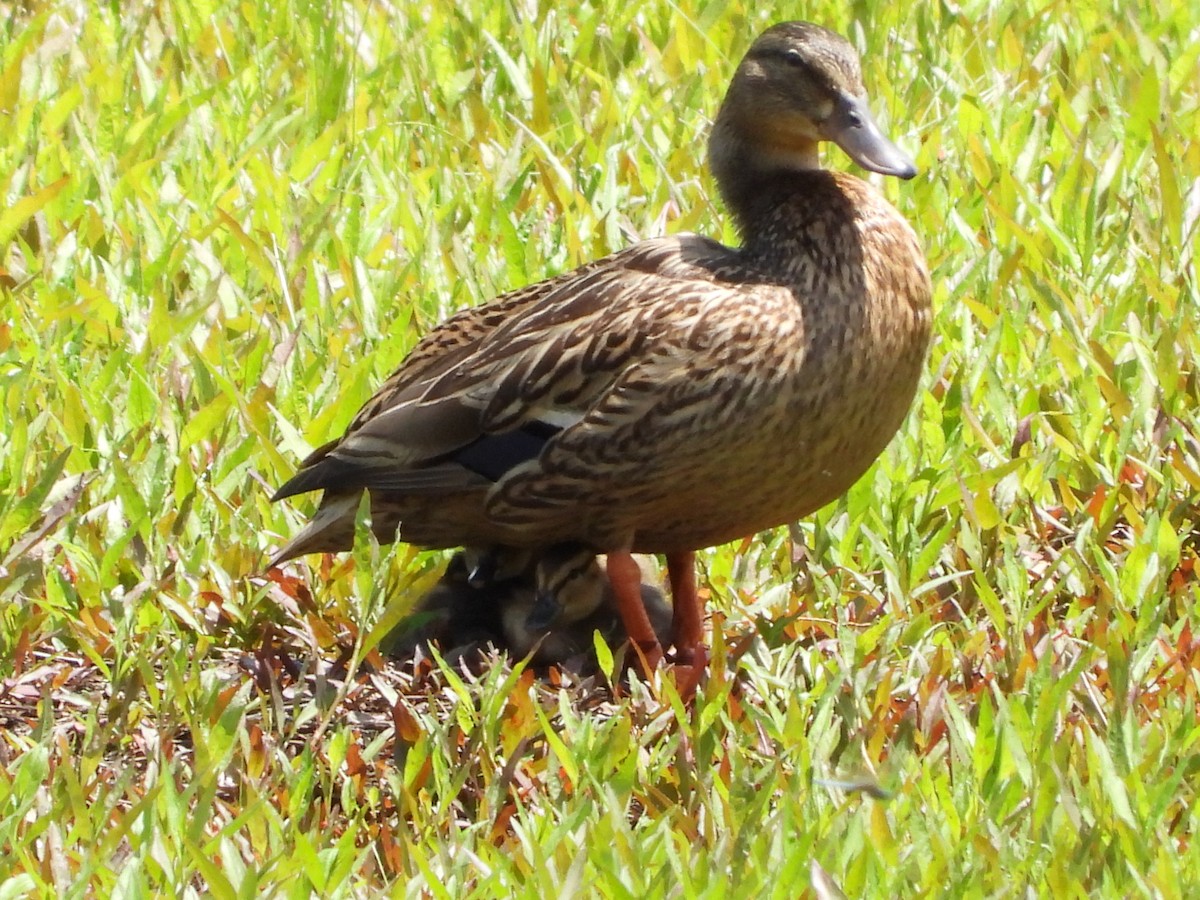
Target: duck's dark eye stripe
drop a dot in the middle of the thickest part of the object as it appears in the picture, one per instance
(791, 57)
(571, 574)
(567, 575)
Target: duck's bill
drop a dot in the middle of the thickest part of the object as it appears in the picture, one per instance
(545, 610)
(853, 129)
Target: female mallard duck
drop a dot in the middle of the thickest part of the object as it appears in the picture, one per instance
(676, 394)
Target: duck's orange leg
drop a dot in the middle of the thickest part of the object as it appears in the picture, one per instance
(625, 576)
(687, 623)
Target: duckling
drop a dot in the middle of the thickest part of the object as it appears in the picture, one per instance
(570, 601)
(550, 602)
(676, 394)
(484, 567)
(462, 610)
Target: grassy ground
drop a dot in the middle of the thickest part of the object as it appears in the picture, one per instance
(223, 223)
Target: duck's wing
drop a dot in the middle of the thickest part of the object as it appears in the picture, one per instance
(445, 345)
(456, 337)
(590, 348)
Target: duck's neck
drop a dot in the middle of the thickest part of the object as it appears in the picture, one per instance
(745, 169)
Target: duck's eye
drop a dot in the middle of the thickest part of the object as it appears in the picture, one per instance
(794, 58)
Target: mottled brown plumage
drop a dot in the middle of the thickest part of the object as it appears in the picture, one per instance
(676, 394)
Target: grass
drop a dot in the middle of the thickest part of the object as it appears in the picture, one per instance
(223, 224)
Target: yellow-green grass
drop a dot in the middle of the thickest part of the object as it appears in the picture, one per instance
(222, 224)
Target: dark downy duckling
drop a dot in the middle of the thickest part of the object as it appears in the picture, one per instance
(462, 610)
(549, 606)
(459, 613)
(572, 599)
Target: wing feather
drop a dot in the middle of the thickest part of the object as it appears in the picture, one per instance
(535, 359)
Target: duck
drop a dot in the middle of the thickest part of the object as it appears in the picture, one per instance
(546, 610)
(676, 394)
(461, 611)
(571, 599)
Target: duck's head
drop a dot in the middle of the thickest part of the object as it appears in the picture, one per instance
(569, 584)
(798, 85)
(485, 567)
